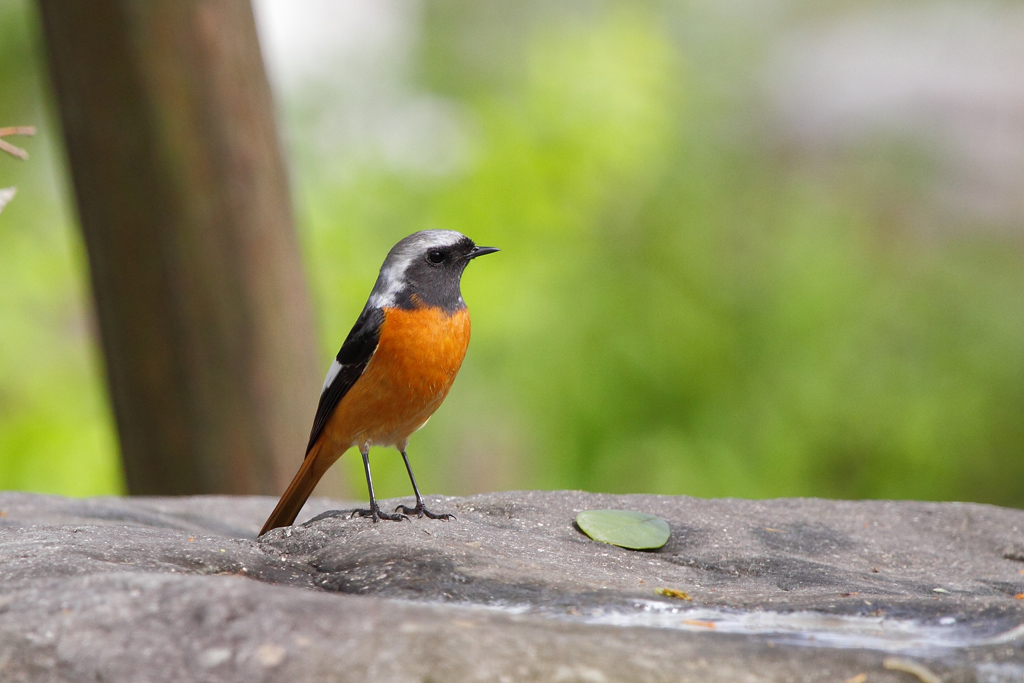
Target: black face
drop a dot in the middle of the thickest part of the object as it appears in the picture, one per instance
(434, 274)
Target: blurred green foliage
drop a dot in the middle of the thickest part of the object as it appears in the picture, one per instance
(679, 307)
(56, 432)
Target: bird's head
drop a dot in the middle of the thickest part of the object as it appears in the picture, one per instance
(425, 268)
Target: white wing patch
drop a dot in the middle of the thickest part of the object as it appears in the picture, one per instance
(331, 374)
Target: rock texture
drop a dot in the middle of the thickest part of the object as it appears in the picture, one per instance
(143, 589)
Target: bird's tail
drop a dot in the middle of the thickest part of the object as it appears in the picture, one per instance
(313, 468)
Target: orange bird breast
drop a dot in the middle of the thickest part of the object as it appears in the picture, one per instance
(418, 355)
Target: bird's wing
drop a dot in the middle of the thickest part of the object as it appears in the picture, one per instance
(349, 364)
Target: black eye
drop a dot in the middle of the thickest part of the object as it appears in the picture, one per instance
(435, 256)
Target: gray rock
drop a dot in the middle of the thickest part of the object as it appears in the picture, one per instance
(179, 589)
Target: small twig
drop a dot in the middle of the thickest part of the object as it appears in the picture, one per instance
(17, 130)
(911, 667)
(13, 150)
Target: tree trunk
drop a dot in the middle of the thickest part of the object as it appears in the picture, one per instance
(183, 200)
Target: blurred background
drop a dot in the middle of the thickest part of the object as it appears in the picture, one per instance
(749, 248)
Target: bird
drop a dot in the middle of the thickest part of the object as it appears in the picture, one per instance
(394, 369)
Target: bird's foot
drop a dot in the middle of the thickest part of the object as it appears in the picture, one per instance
(377, 514)
(421, 511)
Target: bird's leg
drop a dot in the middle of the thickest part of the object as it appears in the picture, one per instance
(374, 511)
(420, 510)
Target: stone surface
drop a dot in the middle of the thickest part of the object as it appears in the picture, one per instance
(781, 590)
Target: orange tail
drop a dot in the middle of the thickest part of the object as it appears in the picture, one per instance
(313, 468)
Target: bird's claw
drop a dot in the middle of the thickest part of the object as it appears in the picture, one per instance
(377, 514)
(421, 511)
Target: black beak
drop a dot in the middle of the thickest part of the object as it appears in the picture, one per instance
(480, 251)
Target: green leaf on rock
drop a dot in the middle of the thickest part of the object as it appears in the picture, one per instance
(674, 593)
(624, 528)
